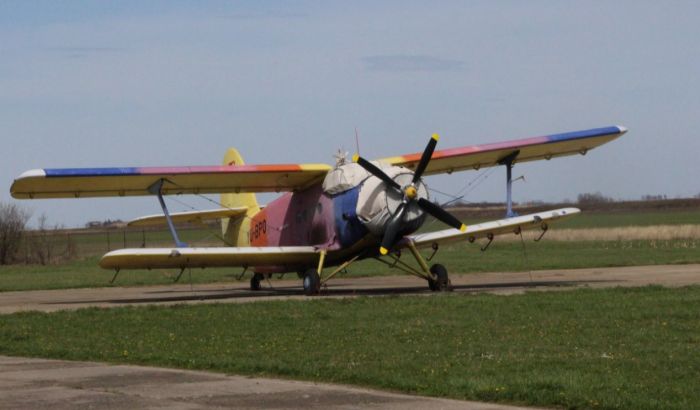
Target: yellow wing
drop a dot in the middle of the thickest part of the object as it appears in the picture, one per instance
(528, 149)
(291, 256)
(491, 229)
(100, 182)
(189, 216)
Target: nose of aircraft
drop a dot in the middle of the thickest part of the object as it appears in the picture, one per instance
(411, 199)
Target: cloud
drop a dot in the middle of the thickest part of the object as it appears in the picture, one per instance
(405, 63)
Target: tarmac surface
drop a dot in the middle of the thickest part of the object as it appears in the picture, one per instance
(54, 384)
(57, 385)
(238, 292)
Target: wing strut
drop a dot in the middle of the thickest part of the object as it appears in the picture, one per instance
(157, 189)
(508, 162)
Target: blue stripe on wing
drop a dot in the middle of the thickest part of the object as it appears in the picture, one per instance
(91, 172)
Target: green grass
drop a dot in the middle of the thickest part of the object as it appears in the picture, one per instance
(624, 219)
(613, 348)
(86, 273)
(460, 258)
(93, 243)
(614, 219)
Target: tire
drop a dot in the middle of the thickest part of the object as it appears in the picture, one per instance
(312, 282)
(441, 283)
(255, 281)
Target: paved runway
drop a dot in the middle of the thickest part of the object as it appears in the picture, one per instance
(56, 385)
(238, 292)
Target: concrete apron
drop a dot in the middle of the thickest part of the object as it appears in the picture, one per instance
(57, 385)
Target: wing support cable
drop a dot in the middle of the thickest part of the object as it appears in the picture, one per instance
(435, 247)
(544, 228)
(490, 237)
(157, 189)
(116, 273)
(177, 279)
(508, 162)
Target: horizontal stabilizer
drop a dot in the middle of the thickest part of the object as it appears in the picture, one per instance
(495, 228)
(179, 258)
(189, 216)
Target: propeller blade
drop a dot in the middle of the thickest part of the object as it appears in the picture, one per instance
(425, 158)
(392, 229)
(376, 171)
(441, 214)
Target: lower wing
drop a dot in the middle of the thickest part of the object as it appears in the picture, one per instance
(189, 216)
(491, 229)
(181, 258)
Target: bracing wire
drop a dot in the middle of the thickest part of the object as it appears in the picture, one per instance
(464, 191)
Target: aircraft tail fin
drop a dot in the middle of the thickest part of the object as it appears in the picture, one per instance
(235, 230)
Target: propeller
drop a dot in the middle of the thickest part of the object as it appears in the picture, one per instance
(410, 195)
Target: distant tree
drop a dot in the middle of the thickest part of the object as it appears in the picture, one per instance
(13, 220)
(593, 198)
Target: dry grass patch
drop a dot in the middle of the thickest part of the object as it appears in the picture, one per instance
(623, 233)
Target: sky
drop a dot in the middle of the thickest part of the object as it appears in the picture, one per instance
(160, 83)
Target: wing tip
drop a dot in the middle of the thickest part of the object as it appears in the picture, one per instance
(32, 173)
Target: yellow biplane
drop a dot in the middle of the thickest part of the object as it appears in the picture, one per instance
(327, 217)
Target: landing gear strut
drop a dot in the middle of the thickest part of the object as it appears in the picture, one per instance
(436, 275)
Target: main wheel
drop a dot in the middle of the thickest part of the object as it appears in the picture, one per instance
(441, 283)
(312, 282)
(255, 281)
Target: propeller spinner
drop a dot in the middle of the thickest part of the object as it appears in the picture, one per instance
(410, 195)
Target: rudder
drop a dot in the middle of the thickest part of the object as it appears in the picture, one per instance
(235, 230)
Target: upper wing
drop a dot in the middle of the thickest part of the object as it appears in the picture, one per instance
(529, 149)
(96, 182)
(210, 257)
(489, 229)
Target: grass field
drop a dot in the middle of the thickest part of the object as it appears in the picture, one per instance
(93, 243)
(594, 239)
(622, 219)
(615, 348)
(619, 218)
(460, 258)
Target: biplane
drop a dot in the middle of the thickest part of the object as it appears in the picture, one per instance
(326, 217)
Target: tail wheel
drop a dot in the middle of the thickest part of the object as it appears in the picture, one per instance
(255, 281)
(441, 283)
(312, 282)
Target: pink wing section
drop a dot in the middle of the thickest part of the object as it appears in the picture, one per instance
(529, 149)
(132, 181)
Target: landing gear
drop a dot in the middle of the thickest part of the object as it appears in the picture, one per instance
(255, 281)
(312, 282)
(441, 283)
